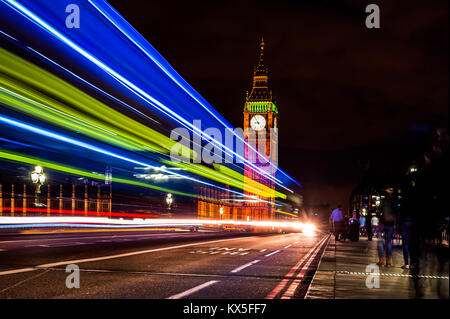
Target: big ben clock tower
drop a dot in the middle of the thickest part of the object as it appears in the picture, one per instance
(260, 131)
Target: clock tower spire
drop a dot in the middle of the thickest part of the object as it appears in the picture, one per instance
(260, 88)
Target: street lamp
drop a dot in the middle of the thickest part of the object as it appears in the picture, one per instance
(221, 212)
(169, 200)
(377, 201)
(38, 178)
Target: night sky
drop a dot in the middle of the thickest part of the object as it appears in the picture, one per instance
(345, 94)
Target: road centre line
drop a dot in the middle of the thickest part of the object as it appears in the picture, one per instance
(245, 266)
(288, 246)
(140, 252)
(193, 290)
(273, 253)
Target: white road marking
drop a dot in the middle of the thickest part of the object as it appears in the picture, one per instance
(262, 250)
(193, 290)
(288, 246)
(245, 266)
(392, 275)
(273, 253)
(140, 252)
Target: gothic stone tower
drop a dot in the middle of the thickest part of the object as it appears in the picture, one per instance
(260, 127)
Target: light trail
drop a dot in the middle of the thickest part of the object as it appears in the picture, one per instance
(78, 212)
(75, 171)
(135, 89)
(172, 77)
(51, 220)
(15, 66)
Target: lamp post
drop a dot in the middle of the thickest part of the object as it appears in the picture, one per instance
(38, 178)
(169, 200)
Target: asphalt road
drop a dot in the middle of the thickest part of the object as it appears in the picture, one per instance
(160, 265)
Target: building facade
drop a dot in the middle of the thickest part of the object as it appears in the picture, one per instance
(260, 124)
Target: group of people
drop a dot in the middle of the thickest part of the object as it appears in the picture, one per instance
(382, 227)
(343, 229)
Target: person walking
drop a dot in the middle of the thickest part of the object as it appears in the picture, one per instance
(386, 229)
(337, 219)
(369, 227)
(362, 225)
(353, 227)
(406, 225)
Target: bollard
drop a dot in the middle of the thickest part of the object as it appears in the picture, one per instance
(49, 201)
(60, 198)
(85, 199)
(98, 199)
(1, 200)
(24, 200)
(12, 200)
(73, 198)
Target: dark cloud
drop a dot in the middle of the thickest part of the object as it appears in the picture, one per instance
(339, 85)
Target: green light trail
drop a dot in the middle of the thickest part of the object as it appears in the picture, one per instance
(31, 90)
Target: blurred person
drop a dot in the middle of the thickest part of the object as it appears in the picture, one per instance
(385, 230)
(406, 224)
(337, 219)
(368, 226)
(362, 225)
(375, 223)
(353, 227)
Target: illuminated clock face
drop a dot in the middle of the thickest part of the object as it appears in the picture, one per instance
(258, 122)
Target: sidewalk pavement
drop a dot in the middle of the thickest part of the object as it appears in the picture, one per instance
(342, 274)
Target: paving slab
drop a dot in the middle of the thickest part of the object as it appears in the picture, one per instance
(348, 270)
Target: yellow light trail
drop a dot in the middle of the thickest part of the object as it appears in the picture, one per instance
(31, 90)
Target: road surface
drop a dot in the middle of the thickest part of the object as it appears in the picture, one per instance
(160, 265)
